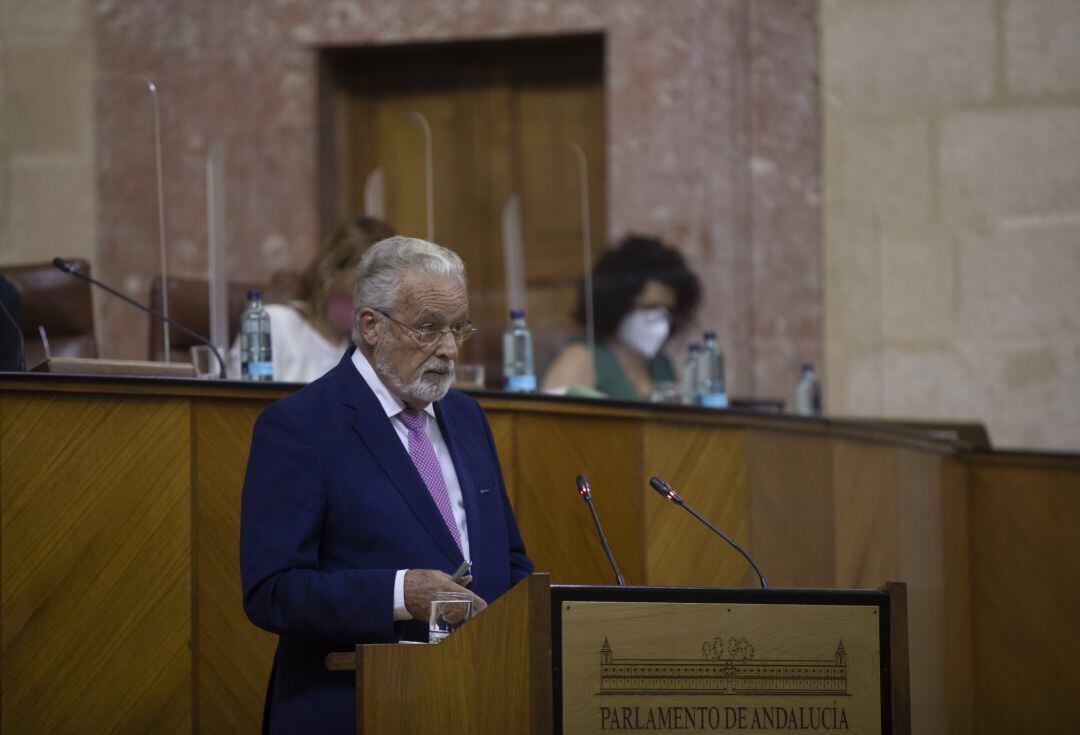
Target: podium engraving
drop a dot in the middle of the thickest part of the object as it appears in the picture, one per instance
(731, 671)
(720, 667)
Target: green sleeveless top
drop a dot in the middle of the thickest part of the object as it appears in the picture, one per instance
(612, 381)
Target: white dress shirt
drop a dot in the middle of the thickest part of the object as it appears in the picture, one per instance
(392, 405)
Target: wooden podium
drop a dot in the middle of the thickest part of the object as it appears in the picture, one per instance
(583, 659)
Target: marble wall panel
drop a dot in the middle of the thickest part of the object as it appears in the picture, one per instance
(697, 92)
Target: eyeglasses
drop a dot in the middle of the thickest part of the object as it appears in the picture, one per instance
(429, 334)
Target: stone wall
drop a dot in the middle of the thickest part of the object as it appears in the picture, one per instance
(47, 196)
(712, 142)
(952, 213)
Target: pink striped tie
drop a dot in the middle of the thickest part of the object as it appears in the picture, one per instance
(427, 464)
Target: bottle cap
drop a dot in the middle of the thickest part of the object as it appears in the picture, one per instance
(517, 313)
(710, 335)
(807, 366)
(695, 347)
(254, 294)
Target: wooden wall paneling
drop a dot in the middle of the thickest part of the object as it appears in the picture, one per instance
(549, 118)
(921, 538)
(495, 169)
(233, 657)
(1025, 563)
(791, 508)
(96, 578)
(503, 426)
(707, 466)
(550, 452)
(865, 514)
(955, 519)
(502, 123)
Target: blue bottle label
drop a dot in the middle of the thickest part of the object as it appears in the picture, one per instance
(521, 383)
(713, 400)
(259, 369)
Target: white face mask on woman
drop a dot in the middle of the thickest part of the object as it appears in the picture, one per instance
(645, 330)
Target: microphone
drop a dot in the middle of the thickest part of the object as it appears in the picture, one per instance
(69, 268)
(586, 494)
(668, 492)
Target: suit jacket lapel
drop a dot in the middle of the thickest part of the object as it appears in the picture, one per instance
(373, 427)
(455, 439)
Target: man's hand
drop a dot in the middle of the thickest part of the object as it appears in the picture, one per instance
(421, 585)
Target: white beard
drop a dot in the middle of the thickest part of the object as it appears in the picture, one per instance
(426, 388)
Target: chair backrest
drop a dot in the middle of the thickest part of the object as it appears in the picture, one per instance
(57, 301)
(189, 304)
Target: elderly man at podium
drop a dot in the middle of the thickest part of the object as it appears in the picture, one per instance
(367, 487)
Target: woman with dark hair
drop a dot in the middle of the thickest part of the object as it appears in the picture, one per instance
(643, 292)
(308, 335)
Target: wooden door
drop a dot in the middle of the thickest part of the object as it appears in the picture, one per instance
(504, 118)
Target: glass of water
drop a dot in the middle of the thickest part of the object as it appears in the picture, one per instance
(449, 611)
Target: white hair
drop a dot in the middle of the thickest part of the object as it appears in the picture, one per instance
(385, 265)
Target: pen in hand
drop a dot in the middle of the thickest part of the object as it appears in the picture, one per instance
(461, 571)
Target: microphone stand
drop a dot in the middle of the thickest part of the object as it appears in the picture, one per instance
(586, 494)
(668, 492)
(70, 269)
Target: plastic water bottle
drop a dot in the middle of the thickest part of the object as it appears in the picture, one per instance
(690, 375)
(808, 392)
(518, 370)
(256, 354)
(712, 389)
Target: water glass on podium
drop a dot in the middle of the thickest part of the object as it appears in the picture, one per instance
(206, 365)
(449, 611)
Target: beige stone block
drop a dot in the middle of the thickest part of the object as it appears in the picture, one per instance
(49, 100)
(1024, 390)
(52, 211)
(919, 295)
(1019, 389)
(1042, 47)
(1022, 281)
(853, 283)
(1001, 163)
(882, 57)
(46, 21)
(853, 335)
(928, 384)
(885, 172)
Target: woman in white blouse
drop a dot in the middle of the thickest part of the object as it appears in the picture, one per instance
(309, 335)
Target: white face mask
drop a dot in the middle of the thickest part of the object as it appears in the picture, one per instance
(645, 330)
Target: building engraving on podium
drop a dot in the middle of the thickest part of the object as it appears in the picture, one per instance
(733, 669)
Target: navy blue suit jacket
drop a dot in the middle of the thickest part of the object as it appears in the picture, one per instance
(332, 508)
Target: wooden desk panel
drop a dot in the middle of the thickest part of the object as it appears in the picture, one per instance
(95, 575)
(791, 507)
(232, 656)
(548, 454)
(1025, 563)
(708, 469)
(119, 504)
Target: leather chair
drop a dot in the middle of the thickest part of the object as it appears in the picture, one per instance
(59, 302)
(189, 304)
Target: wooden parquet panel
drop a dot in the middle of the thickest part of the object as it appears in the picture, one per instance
(555, 523)
(708, 469)
(233, 657)
(791, 510)
(120, 605)
(503, 424)
(95, 577)
(920, 556)
(865, 514)
(1025, 566)
(956, 522)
